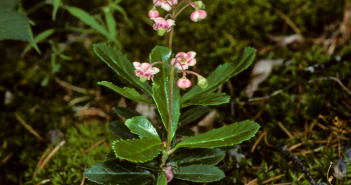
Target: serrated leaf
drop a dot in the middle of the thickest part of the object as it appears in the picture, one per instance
(222, 74)
(199, 173)
(90, 20)
(193, 114)
(56, 6)
(137, 150)
(224, 136)
(121, 65)
(125, 113)
(13, 25)
(151, 165)
(198, 156)
(161, 89)
(162, 179)
(185, 132)
(40, 37)
(115, 172)
(129, 93)
(141, 126)
(119, 129)
(209, 98)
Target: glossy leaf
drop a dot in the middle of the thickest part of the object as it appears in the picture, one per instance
(185, 132)
(121, 65)
(151, 165)
(161, 88)
(137, 150)
(125, 113)
(13, 25)
(222, 74)
(162, 179)
(90, 20)
(40, 37)
(115, 172)
(129, 93)
(119, 129)
(193, 114)
(141, 126)
(56, 5)
(224, 136)
(209, 98)
(110, 155)
(199, 173)
(198, 156)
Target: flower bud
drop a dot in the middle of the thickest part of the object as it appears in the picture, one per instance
(169, 173)
(200, 5)
(198, 15)
(202, 82)
(184, 83)
(153, 13)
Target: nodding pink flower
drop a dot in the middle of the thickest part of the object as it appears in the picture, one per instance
(162, 26)
(153, 13)
(166, 5)
(198, 15)
(145, 71)
(184, 83)
(185, 59)
(169, 173)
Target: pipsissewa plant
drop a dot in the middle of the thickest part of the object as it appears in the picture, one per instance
(151, 155)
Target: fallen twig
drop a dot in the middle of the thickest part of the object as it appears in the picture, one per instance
(28, 127)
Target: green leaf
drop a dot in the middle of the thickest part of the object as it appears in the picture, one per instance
(121, 65)
(115, 172)
(128, 93)
(110, 155)
(209, 98)
(119, 129)
(56, 7)
(125, 113)
(110, 21)
(13, 25)
(151, 165)
(141, 126)
(137, 150)
(222, 74)
(121, 10)
(162, 179)
(199, 173)
(161, 88)
(185, 132)
(224, 136)
(40, 37)
(89, 20)
(193, 114)
(198, 156)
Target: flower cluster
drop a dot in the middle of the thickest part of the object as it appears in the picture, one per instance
(145, 71)
(162, 25)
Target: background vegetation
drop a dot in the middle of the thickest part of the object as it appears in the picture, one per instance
(298, 106)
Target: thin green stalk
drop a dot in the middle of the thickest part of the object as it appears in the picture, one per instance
(169, 125)
(172, 32)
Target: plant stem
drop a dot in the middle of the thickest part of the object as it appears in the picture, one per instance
(181, 11)
(172, 31)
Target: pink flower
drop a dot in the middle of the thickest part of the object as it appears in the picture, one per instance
(162, 26)
(145, 71)
(166, 5)
(169, 173)
(153, 13)
(184, 83)
(199, 14)
(185, 59)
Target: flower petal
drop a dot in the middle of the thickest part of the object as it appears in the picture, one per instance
(194, 16)
(159, 20)
(175, 2)
(158, 3)
(154, 70)
(191, 62)
(173, 61)
(190, 54)
(181, 55)
(166, 6)
(202, 14)
(170, 23)
(136, 64)
(145, 66)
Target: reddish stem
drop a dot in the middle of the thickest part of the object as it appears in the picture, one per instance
(180, 11)
(190, 72)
